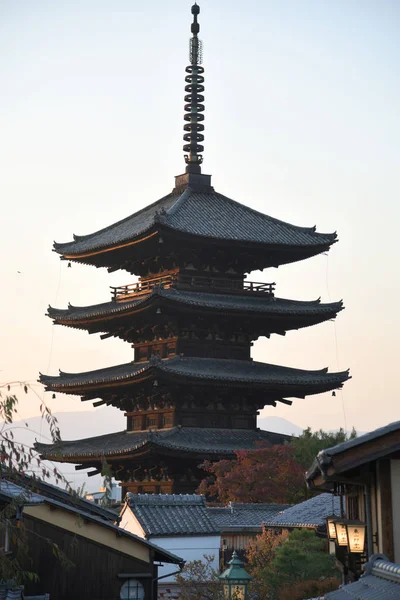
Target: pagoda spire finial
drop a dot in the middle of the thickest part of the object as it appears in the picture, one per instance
(194, 99)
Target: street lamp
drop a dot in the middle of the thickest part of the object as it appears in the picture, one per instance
(348, 533)
(341, 532)
(355, 536)
(330, 525)
(235, 580)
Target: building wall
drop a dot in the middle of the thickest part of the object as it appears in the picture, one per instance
(130, 523)
(77, 525)
(92, 568)
(395, 481)
(189, 548)
(383, 508)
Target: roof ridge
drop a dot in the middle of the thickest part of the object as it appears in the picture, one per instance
(185, 195)
(166, 499)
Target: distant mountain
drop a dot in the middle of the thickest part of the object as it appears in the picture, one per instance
(73, 426)
(77, 425)
(278, 425)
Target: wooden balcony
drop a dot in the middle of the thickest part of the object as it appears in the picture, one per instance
(183, 281)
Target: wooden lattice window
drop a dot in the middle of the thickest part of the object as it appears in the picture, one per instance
(353, 511)
(151, 421)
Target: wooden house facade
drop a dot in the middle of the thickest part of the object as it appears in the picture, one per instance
(365, 473)
(75, 548)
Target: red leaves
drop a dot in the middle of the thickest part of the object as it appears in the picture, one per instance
(267, 474)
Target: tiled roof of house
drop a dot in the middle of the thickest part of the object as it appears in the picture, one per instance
(310, 513)
(325, 457)
(371, 435)
(219, 370)
(205, 214)
(10, 490)
(35, 490)
(261, 303)
(380, 581)
(244, 515)
(190, 440)
(172, 514)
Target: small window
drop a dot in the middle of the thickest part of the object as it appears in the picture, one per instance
(132, 589)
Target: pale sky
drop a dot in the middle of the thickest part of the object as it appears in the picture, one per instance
(302, 122)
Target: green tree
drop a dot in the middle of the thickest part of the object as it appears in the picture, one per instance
(282, 564)
(309, 443)
(303, 557)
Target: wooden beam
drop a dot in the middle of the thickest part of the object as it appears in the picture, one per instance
(385, 491)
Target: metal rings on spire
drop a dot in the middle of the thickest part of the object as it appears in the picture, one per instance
(194, 99)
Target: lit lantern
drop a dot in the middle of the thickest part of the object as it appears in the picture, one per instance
(330, 525)
(341, 532)
(355, 536)
(235, 580)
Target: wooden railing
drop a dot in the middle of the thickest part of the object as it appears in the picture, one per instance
(187, 282)
(125, 292)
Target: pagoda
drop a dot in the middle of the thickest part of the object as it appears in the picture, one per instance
(192, 392)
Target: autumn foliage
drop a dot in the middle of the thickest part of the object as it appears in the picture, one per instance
(266, 474)
(260, 553)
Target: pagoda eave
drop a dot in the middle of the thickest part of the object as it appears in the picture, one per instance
(217, 373)
(178, 441)
(188, 219)
(259, 256)
(265, 313)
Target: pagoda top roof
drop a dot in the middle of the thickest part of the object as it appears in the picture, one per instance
(203, 370)
(186, 440)
(199, 212)
(256, 303)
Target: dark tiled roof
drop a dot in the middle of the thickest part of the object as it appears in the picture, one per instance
(11, 490)
(362, 439)
(36, 490)
(261, 303)
(125, 230)
(172, 514)
(310, 513)
(210, 215)
(380, 581)
(181, 439)
(325, 456)
(238, 515)
(202, 369)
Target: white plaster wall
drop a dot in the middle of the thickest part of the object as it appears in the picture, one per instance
(189, 548)
(130, 522)
(395, 481)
